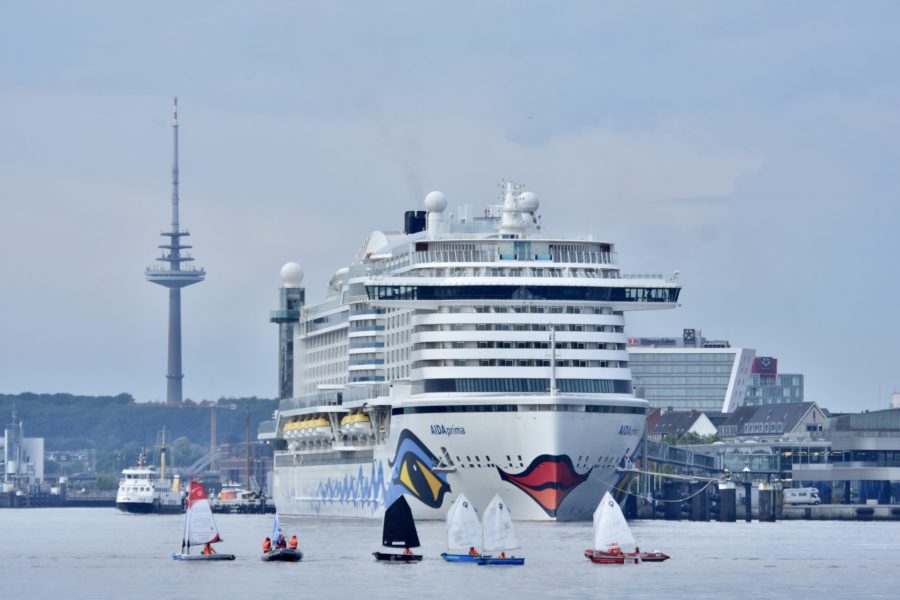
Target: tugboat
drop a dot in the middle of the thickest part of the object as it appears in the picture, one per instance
(144, 489)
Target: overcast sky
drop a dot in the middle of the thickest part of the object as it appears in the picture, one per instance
(755, 147)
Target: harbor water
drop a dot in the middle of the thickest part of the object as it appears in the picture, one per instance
(99, 553)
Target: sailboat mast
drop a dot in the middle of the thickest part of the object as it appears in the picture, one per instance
(162, 457)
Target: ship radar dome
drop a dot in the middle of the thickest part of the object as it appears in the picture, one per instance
(528, 201)
(291, 275)
(435, 202)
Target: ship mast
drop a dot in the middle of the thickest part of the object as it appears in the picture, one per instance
(553, 390)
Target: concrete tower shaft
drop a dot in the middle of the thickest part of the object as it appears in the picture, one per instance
(173, 275)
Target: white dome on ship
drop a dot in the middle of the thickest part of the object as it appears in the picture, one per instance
(291, 275)
(435, 202)
(528, 201)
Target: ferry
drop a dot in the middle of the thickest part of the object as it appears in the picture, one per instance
(145, 489)
(471, 353)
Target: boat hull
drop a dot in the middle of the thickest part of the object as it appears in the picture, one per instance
(511, 561)
(653, 556)
(462, 558)
(606, 558)
(397, 558)
(203, 557)
(553, 465)
(146, 508)
(282, 555)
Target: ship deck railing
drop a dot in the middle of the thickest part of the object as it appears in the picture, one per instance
(491, 254)
(335, 397)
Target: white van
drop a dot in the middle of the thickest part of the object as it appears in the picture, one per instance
(801, 496)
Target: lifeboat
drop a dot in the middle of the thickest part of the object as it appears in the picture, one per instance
(346, 427)
(292, 429)
(318, 428)
(356, 424)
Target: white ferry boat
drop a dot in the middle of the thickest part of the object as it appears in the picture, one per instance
(144, 489)
(470, 353)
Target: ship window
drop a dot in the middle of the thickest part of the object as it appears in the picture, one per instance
(477, 459)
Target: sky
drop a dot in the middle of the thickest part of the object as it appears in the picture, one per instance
(753, 146)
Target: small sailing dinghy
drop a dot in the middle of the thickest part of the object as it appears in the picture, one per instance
(613, 542)
(499, 535)
(282, 554)
(399, 532)
(463, 532)
(199, 528)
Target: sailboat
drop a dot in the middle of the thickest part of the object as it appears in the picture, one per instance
(499, 535)
(613, 542)
(399, 532)
(463, 531)
(199, 527)
(281, 554)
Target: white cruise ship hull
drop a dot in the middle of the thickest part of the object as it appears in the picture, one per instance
(547, 461)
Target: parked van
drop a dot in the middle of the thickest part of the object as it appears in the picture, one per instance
(801, 496)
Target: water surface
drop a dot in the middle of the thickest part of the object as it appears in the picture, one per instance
(101, 553)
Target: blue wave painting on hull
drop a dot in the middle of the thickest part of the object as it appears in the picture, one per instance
(358, 491)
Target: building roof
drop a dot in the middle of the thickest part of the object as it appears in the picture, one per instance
(770, 418)
(740, 415)
(675, 422)
(717, 418)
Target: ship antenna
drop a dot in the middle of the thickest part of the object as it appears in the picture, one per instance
(175, 165)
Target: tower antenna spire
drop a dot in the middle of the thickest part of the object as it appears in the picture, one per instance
(173, 275)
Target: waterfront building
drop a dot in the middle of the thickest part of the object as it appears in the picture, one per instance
(690, 372)
(291, 299)
(775, 421)
(767, 386)
(23, 458)
(678, 423)
(863, 459)
(245, 463)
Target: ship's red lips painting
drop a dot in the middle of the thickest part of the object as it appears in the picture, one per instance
(548, 480)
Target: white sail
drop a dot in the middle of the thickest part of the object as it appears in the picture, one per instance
(463, 527)
(610, 527)
(199, 525)
(498, 527)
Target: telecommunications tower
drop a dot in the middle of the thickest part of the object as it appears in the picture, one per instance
(173, 275)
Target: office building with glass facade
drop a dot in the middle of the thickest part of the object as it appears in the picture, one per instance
(689, 373)
(768, 386)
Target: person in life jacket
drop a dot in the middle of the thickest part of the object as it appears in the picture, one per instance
(207, 549)
(293, 543)
(267, 545)
(407, 552)
(503, 555)
(473, 551)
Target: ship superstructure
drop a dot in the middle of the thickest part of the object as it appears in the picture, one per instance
(469, 353)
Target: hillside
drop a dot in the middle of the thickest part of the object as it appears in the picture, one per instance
(108, 423)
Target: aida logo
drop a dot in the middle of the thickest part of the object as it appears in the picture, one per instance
(629, 430)
(412, 472)
(448, 430)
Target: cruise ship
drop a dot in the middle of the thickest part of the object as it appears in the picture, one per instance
(472, 352)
